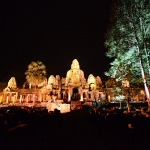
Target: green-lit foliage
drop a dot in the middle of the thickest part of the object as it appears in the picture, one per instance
(128, 40)
(117, 92)
(36, 73)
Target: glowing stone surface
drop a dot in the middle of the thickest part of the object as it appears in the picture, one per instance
(75, 76)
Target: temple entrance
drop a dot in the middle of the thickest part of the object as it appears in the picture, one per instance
(75, 90)
(75, 94)
(84, 95)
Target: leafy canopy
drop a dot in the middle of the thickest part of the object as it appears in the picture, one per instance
(36, 73)
(127, 40)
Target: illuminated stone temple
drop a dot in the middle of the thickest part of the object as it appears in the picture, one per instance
(78, 87)
(73, 87)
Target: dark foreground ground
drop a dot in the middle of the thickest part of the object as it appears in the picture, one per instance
(77, 130)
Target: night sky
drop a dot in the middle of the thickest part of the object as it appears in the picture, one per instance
(54, 32)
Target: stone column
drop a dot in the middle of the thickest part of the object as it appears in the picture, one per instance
(47, 98)
(69, 93)
(4, 98)
(20, 98)
(0, 99)
(40, 97)
(16, 96)
(69, 97)
(7, 99)
(13, 99)
(81, 96)
(33, 97)
(96, 95)
(92, 96)
(59, 95)
(27, 98)
(86, 94)
(63, 94)
(137, 97)
(44, 96)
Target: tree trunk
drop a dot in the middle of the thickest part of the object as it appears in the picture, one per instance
(128, 106)
(144, 44)
(145, 84)
(141, 65)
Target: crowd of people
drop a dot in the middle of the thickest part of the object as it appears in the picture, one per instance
(15, 116)
(94, 121)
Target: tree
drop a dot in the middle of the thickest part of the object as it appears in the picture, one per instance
(110, 83)
(122, 67)
(36, 73)
(127, 40)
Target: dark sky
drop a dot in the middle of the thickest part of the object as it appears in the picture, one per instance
(54, 32)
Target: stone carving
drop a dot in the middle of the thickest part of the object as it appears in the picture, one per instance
(57, 80)
(98, 81)
(58, 77)
(51, 80)
(73, 87)
(91, 79)
(63, 81)
(54, 82)
(125, 82)
(12, 83)
(75, 76)
(91, 82)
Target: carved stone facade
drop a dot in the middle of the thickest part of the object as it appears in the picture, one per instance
(75, 76)
(73, 87)
(77, 86)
